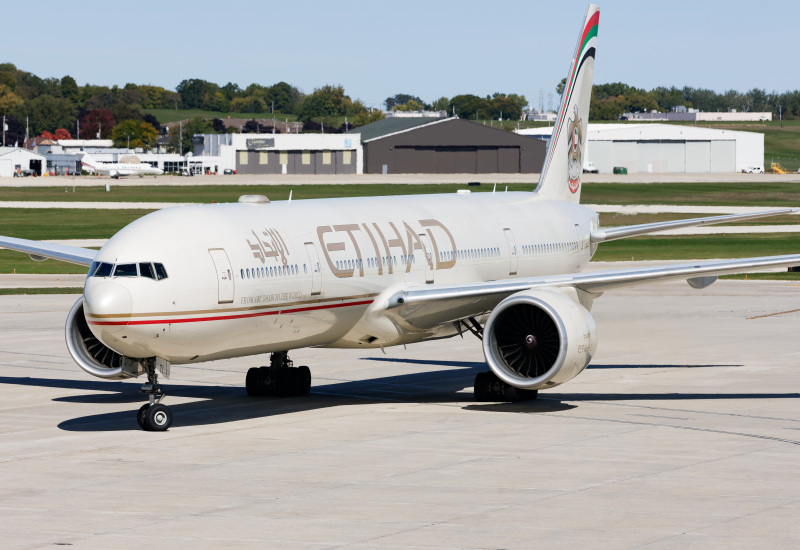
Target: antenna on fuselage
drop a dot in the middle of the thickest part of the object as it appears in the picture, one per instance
(290, 197)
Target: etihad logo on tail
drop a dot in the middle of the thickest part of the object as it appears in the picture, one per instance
(574, 152)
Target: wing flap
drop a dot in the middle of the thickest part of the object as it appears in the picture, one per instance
(42, 250)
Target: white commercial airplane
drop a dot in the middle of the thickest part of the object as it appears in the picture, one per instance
(119, 169)
(197, 283)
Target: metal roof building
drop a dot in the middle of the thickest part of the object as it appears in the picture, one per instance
(446, 146)
(17, 158)
(665, 148)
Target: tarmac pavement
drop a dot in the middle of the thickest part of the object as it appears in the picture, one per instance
(683, 433)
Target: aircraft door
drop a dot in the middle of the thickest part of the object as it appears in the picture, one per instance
(224, 275)
(316, 275)
(428, 257)
(512, 252)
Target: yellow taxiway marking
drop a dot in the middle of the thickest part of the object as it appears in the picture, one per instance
(773, 314)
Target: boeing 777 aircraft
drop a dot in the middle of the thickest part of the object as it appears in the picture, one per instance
(197, 283)
(119, 169)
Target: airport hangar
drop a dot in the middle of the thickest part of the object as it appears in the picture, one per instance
(666, 148)
(447, 146)
(13, 158)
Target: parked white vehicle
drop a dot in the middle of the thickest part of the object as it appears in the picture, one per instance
(755, 170)
(590, 167)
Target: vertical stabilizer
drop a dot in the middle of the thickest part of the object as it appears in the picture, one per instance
(563, 165)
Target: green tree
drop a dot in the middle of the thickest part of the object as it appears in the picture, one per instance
(367, 116)
(47, 113)
(326, 102)
(560, 87)
(441, 104)
(134, 133)
(250, 104)
(9, 101)
(190, 128)
(69, 89)
(282, 94)
(410, 105)
(468, 106)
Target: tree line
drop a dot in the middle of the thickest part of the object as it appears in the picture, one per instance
(56, 107)
(610, 101)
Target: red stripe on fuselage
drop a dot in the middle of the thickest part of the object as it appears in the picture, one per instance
(226, 317)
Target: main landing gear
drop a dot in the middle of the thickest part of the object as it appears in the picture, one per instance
(280, 378)
(488, 387)
(153, 416)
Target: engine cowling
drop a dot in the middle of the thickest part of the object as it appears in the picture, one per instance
(539, 338)
(91, 354)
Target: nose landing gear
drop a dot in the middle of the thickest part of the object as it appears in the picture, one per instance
(153, 416)
(281, 378)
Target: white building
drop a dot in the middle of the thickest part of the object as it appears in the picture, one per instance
(282, 153)
(665, 148)
(14, 159)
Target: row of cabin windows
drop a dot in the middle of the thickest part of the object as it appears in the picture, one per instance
(155, 271)
(275, 271)
(550, 248)
(386, 261)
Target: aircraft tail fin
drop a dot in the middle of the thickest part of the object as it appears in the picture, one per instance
(88, 163)
(563, 164)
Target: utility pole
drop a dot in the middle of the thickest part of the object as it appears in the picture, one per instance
(780, 117)
(78, 122)
(180, 138)
(4, 130)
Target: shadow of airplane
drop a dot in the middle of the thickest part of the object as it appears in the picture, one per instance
(225, 404)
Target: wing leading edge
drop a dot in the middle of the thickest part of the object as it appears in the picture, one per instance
(613, 233)
(438, 305)
(65, 253)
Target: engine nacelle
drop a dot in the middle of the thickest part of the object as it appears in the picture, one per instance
(539, 338)
(91, 354)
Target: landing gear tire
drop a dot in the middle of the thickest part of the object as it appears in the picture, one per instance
(280, 378)
(141, 417)
(488, 387)
(159, 418)
(253, 383)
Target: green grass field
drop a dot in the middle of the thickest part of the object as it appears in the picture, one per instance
(57, 223)
(31, 291)
(779, 194)
(698, 247)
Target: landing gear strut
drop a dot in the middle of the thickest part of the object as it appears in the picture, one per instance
(280, 378)
(488, 387)
(153, 416)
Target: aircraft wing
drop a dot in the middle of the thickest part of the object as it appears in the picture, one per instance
(427, 307)
(613, 233)
(39, 250)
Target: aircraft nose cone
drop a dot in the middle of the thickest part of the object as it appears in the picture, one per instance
(108, 304)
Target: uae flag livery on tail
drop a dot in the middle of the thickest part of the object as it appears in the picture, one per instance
(563, 165)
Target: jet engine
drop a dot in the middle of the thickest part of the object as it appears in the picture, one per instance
(92, 355)
(539, 338)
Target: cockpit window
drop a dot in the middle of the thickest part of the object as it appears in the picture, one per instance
(103, 270)
(126, 270)
(161, 272)
(146, 270)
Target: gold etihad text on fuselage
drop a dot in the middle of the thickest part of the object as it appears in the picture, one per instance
(386, 241)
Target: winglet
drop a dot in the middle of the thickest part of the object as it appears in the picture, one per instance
(563, 165)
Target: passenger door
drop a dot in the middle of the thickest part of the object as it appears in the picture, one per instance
(512, 252)
(224, 275)
(316, 275)
(427, 257)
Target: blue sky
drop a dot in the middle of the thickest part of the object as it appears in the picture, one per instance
(429, 49)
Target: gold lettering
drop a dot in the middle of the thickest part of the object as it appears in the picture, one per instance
(332, 247)
(441, 264)
(349, 228)
(375, 246)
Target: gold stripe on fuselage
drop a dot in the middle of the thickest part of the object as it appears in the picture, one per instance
(231, 309)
